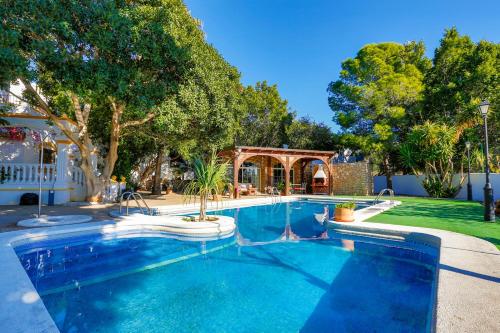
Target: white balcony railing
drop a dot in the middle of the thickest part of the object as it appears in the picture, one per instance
(28, 174)
(76, 176)
(6, 98)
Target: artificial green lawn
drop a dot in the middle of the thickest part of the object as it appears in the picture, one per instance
(454, 215)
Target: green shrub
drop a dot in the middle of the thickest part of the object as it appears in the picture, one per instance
(436, 189)
(429, 150)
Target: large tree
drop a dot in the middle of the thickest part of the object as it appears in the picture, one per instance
(377, 98)
(304, 133)
(265, 117)
(463, 74)
(201, 117)
(114, 63)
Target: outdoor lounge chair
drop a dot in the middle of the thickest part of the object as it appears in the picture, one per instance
(251, 190)
(243, 189)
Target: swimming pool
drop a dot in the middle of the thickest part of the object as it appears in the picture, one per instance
(281, 272)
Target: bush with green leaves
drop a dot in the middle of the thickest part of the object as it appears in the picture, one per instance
(429, 150)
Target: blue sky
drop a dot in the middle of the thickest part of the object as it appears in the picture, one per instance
(300, 44)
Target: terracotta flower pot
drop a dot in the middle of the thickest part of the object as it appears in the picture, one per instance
(93, 199)
(344, 215)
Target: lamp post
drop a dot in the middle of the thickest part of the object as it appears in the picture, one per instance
(469, 185)
(489, 209)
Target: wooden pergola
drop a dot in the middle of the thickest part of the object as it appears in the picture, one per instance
(287, 157)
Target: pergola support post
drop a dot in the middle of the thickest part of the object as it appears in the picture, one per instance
(269, 172)
(287, 175)
(236, 171)
(287, 181)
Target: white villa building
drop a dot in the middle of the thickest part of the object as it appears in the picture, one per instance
(20, 147)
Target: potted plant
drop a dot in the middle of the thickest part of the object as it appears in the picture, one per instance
(169, 188)
(209, 179)
(281, 187)
(344, 212)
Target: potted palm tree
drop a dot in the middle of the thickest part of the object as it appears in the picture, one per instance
(209, 180)
(344, 212)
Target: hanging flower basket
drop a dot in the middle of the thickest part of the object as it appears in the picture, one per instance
(13, 133)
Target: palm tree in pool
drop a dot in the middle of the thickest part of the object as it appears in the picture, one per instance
(210, 178)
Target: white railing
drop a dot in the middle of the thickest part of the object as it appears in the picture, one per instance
(76, 176)
(26, 173)
(6, 98)
(76, 179)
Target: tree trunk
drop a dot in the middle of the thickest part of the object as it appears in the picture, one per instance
(146, 173)
(203, 207)
(114, 137)
(93, 183)
(388, 173)
(157, 177)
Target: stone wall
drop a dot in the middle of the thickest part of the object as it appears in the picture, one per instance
(352, 178)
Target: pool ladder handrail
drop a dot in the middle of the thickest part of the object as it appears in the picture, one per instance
(274, 194)
(134, 195)
(381, 193)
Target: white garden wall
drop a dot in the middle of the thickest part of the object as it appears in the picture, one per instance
(412, 185)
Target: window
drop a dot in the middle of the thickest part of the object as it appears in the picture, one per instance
(249, 174)
(48, 156)
(279, 174)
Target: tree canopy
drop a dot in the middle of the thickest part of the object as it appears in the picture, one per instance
(304, 133)
(114, 65)
(389, 93)
(378, 96)
(265, 117)
(463, 74)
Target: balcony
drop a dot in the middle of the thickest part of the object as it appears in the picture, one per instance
(15, 174)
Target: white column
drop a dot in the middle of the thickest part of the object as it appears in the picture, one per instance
(62, 194)
(62, 163)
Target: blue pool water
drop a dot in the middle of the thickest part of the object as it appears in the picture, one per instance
(282, 272)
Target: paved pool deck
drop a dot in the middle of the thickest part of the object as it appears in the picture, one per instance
(11, 214)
